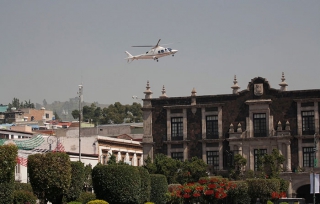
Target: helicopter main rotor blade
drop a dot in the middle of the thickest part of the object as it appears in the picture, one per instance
(157, 43)
(143, 46)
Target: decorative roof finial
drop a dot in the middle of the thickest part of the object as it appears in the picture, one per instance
(148, 92)
(283, 85)
(235, 86)
(164, 95)
(193, 96)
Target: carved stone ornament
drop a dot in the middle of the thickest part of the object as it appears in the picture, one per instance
(258, 89)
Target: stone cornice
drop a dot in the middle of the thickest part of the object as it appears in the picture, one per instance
(258, 101)
(194, 106)
(307, 100)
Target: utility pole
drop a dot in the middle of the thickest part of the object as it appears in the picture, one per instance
(315, 161)
(80, 114)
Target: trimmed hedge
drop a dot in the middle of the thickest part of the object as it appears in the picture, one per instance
(86, 197)
(117, 183)
(159, 188)
(22, 196)
(98, 202)
(77, 181)
(8, 155)
(145, 185)
(50, 175)
(239, 194)
(262, 188)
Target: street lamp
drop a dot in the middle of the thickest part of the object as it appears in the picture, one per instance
(314, 165)
(80, 113)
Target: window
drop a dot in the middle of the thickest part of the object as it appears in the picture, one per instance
(47, 115)
(259, 125)
(212, 127)
(18, 169)
(307, 122)
(308, 157)
(177, 155)
(176, 128)
(213, 159)
(258, 153)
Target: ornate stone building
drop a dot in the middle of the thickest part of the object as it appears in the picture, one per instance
(249, 122)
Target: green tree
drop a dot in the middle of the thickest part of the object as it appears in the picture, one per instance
(150, 166)
(17, 104)
(50, 176)
(77, 181)
(115, 113)
(112, 160)
(272, 163)
(239, 163)
(88, 177)
(75, 114)
(164, 165)
(8, 155)
(192, 170)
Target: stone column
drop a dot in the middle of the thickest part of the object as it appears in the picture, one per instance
(147, 140)
(290, 189)
(204, 152)
(300, 152)
(220, 156)
(288, 157)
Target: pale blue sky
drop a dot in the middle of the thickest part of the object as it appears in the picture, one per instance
(47, 48)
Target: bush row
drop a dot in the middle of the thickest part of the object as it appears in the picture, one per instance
(128, 184)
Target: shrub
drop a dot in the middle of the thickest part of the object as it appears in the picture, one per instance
(239, 194)
(22, 196)
(262, 188)
(145, 185)
(284, 185)
(117, 183)
(174, 187)
(98, 202)
(74, 202)
(50, 175)
(23, 186)
(159, 188)
(85, 197)
(77, 181)
(8, 155)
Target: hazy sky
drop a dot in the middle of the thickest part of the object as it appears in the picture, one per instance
(48, 48)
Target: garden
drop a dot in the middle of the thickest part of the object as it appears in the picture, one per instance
(54, 178)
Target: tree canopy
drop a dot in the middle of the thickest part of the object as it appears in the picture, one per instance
(177, 171)
(17, 104)
(115, 113)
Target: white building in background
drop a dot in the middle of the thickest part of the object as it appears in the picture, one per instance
(94, 148)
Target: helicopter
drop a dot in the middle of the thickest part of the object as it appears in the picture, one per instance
(155, 53)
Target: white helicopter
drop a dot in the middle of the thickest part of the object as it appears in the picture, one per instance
(155, 53)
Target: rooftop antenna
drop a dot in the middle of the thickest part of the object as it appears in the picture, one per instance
(80, 114)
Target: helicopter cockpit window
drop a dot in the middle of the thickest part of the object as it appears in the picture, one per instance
(169, 49)
(162, 51)
(159, 51)
(146, 52)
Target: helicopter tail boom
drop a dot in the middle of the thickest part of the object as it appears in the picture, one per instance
(130, 57)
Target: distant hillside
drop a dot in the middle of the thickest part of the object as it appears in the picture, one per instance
(64, 109)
